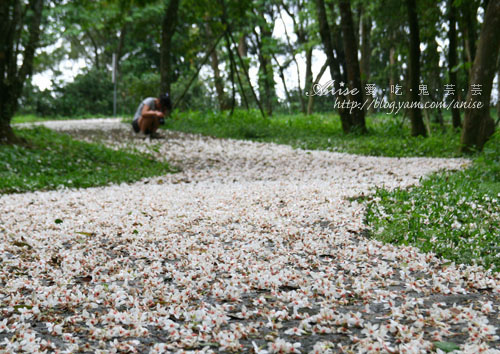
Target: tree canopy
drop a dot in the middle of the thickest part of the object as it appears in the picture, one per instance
(218, 55)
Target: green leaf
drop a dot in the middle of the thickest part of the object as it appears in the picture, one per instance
(447, 347)
(58, 221)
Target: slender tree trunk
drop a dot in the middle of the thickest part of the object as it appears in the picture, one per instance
(435, 84)
(167, 32)
(478, 125)
(297, 67)
(365, 51)
(310, 103)
(498, 97)
(392, 72)
(281, 70)
(469, 14)
(119, 48)
(242, 46)
(230, 39)
(452, 61)
(309, 76)
(218, 83)
(417, 123)
(203, 62)
(232, 69)
(266, 73)
(352, 64)
(96, 50)
(326, 38)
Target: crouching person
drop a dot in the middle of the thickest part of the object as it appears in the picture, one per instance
(151, 114)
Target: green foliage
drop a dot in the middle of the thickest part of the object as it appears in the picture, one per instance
(455, 214)
(36, 102)
(54, 160)
(137, 87)
(386, 137)
(90, 93)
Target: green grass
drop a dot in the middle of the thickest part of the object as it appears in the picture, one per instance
(31, 118)
(53, 160)
(386, 137)
(455, 214)
(26, 118)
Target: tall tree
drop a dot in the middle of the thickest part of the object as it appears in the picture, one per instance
(366, 26)
(352, 64)
(264, 45)
(167, 32)
(299, 12)
(452, 59)
(498, 95)
(218, 81)
(327, 39)
(469, 19)
(20, 30)
(417, 123)
(478, 124)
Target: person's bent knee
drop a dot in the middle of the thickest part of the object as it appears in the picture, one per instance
(148, 125)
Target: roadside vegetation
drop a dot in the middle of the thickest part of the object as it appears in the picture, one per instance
(50, 160)
(453, 214)
(387, 135)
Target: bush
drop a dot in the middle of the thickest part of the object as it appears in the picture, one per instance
(89, 94)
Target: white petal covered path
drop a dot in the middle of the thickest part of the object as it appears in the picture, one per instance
(252, 247)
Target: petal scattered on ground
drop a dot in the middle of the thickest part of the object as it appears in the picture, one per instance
(254, 247)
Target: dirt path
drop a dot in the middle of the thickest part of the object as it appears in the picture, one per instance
(251, 247)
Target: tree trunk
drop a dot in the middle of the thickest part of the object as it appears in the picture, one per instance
(469, 14)
(242, 46)
(310, 102)
(498, 97)
(12, 78)
(452, 61)
(218, 83)
(281, 71)
(266, 73)
(326, 39)
(417, 123)
(392, 73)
(478, 125)
(167, 32)
(294, 59)
(352, 65)
(97, 62)
(8, 106)
(434, 79)
(366, 26)
(309, 76)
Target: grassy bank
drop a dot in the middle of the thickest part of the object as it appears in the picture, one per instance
(455, 215)
(388, 135)
(52, 160)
